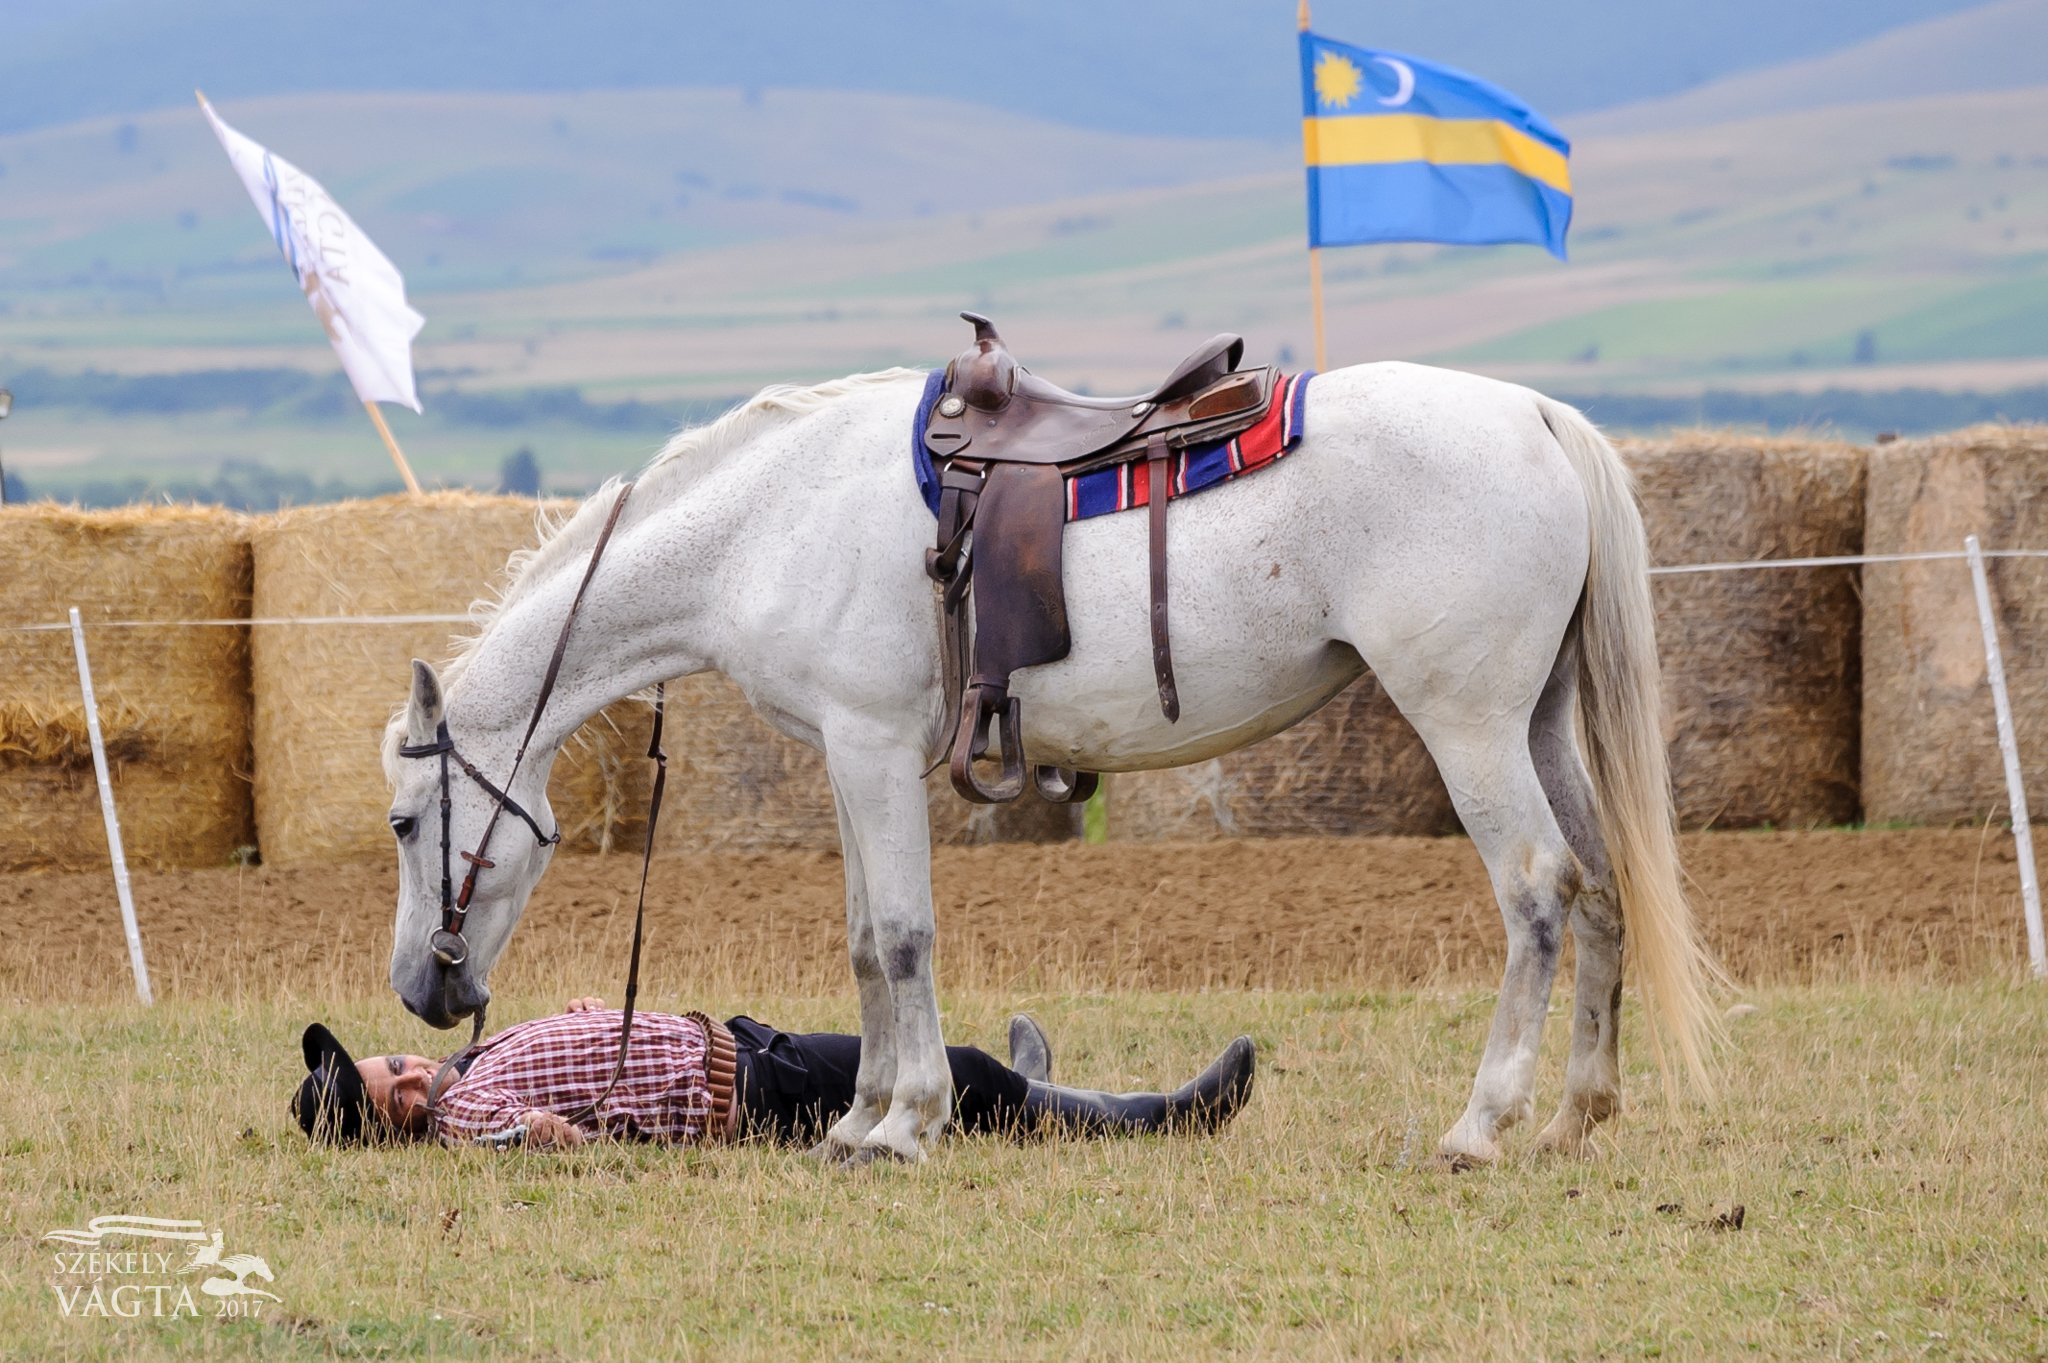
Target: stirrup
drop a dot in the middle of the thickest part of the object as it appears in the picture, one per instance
(1059, 786)
(980, 704)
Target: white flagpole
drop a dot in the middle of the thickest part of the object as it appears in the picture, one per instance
(99, 771)
(2009, 748)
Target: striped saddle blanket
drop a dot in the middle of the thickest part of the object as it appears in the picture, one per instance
(1122, 487)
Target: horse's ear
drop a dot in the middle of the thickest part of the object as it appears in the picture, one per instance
(423, 708)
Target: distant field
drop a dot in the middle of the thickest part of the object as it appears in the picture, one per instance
(482, 190)
(1887, 244)
(68, 449)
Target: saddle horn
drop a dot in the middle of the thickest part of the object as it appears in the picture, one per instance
(985, 376)
(984, 331)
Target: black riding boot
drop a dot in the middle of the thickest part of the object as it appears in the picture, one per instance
(1203, 1104)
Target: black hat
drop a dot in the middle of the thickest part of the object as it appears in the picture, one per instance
(332, 1104)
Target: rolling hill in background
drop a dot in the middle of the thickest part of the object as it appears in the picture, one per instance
(594, 266)
(480, 190)
(1992, 47)
(1211, 68)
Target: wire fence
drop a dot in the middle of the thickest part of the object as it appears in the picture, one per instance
(1972, 554)
(1745, 565)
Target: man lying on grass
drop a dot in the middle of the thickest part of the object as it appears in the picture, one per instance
(690, 1078)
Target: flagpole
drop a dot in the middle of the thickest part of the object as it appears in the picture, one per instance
(397, 455)
(1315, 294)
(1315, 258)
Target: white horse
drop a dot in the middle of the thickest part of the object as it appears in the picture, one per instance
(1475, 543)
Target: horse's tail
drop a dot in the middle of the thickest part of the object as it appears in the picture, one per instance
(1619, 713)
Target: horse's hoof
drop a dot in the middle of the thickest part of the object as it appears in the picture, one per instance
(879, 1153)
(1458, 1155)
(831, 1152)
(1565, 1138)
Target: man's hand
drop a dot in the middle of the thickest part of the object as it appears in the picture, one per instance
(593, 1004)
(546, 1131)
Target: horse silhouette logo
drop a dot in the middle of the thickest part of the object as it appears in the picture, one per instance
(235, 1270)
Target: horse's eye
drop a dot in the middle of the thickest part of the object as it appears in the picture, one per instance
(403, 826)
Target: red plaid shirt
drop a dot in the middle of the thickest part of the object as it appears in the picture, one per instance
(560, 1064)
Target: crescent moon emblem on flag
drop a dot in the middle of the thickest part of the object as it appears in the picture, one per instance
(1405, 75)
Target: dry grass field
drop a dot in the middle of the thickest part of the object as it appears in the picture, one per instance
(1883, 1142)
(1881, 1130)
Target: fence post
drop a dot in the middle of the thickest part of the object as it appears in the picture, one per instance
(99, 770)
(2008, 746)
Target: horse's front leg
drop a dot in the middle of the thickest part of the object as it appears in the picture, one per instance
(876, 1078)
(881, 792)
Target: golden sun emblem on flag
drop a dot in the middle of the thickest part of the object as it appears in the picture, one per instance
(1338, 80)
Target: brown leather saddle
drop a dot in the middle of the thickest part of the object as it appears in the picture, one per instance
(1004, 443)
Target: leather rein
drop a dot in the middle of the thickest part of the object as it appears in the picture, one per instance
(447, 942)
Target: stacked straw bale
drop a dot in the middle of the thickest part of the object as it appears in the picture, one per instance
(1762, 667)
(1354, 767)
(735, 784)
(324, 692)
(174, 703)
(1930, 744)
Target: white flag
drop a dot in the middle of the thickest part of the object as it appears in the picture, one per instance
(356, 292)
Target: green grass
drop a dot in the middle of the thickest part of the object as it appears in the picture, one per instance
(66, 448)
(1884, 1140)
(1084, 244)
(1993, 321)
(1761, 325)
(1793, 319)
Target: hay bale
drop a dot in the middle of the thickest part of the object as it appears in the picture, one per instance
(1760, 673)
(174, 703)
(324, 692)
(1761, 668)
(1930, 745)
(735, 784)
(1353, 767)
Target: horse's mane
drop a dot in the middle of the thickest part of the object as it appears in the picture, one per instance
(686, 458)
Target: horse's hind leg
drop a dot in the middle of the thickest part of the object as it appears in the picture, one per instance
(1487, 768)
(1592, 1080)
(877, 1074)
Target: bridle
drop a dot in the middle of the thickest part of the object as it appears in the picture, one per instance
(447, 942)
(449, 946)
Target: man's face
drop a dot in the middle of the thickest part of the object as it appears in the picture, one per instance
(398, 1086)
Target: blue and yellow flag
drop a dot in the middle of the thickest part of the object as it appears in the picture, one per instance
(1400, 149)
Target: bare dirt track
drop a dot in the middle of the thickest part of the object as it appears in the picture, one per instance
(1310, 912)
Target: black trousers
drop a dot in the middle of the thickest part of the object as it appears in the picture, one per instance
(791, 1086)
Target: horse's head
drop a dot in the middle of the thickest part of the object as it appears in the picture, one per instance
(469, 852)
